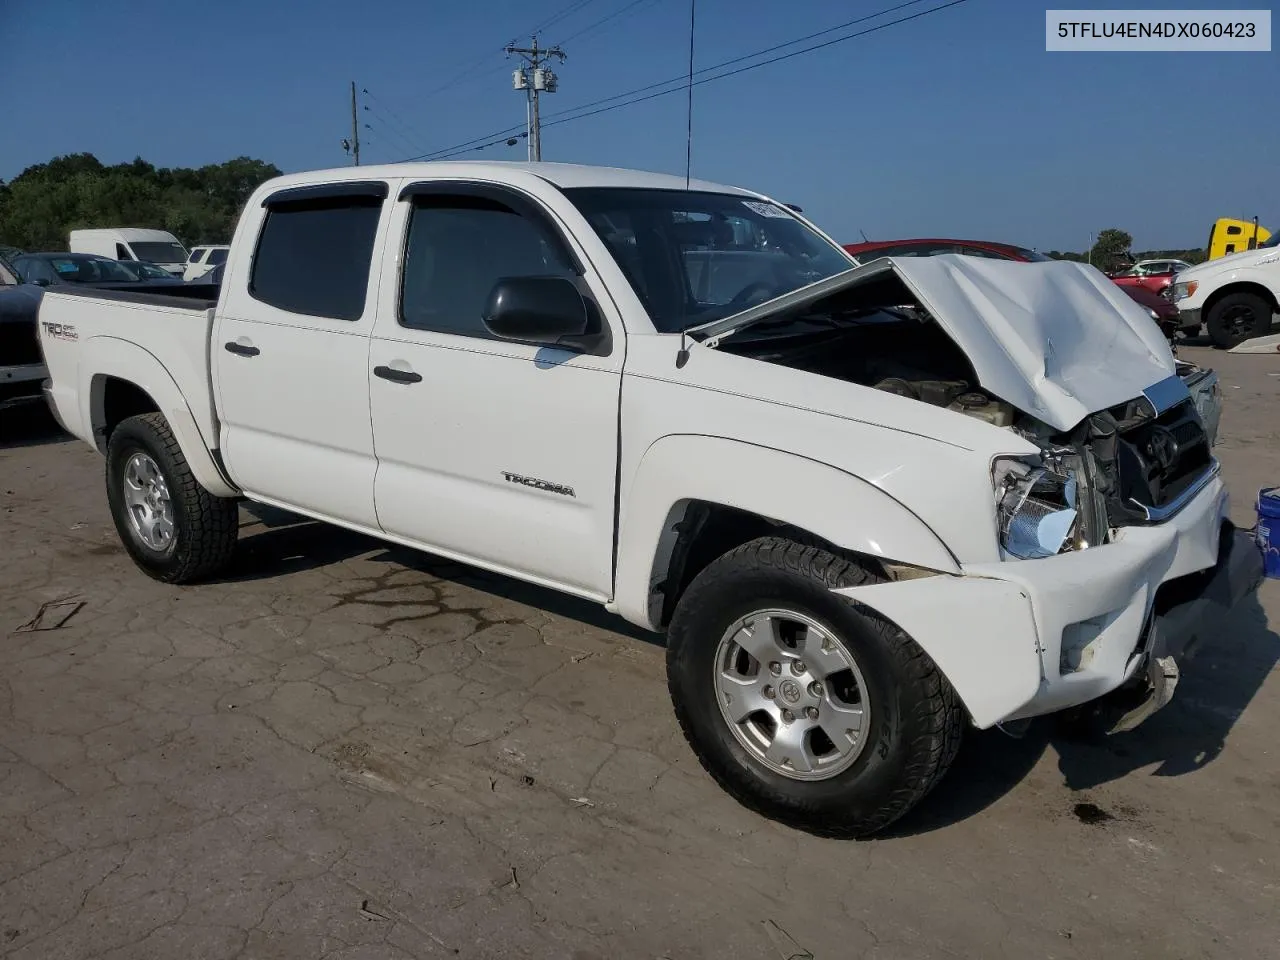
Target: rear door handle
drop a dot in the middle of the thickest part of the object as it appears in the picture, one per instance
(241, 349)
(397, 376)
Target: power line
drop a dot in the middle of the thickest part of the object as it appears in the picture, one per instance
(603, 20)
(746, 56)
(577, 114)
(474, 68)
(568, 11)
(764, 63)
(387, 132)
(393, 119)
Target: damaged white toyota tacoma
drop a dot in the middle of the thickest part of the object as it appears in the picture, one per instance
(868, 505)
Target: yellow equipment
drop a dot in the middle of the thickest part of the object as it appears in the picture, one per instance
(1234, 236)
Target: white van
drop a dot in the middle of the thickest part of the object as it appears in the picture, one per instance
(132, 243)
(204, 259)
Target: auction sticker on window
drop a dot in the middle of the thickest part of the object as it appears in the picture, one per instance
(766, 209)
(1170, 31)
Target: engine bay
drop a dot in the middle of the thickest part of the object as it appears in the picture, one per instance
(898, 350)
(1109, 470)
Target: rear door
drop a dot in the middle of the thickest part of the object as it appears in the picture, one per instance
(290, 350)
(497, 452)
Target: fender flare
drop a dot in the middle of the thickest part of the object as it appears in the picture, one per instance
(790, 489)
(123, 360)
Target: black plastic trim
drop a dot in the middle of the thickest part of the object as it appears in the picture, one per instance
(194, 296)
(373, 189)
(520, 202)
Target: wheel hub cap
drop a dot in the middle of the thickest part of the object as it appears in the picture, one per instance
(792, 694)
(147, 503)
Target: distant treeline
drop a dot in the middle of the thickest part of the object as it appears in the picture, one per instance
(41, 205)
(1111, 252)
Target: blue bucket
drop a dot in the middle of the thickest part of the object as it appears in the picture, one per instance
(1269, 530)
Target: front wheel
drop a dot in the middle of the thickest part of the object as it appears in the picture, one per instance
(175, 529)
(1238, 317)
(805, 707)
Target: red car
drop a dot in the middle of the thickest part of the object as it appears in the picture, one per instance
(1161, 310)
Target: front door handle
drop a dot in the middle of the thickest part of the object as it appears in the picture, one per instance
(241, 349)
(397, 376)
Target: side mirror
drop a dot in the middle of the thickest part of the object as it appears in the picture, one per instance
(41, 282)
(543, 310)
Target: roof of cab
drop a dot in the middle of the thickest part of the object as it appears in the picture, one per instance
(563, 175)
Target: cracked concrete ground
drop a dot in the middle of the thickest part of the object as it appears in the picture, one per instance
(352, 751)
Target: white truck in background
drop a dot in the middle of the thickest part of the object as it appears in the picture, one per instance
(869, 505)
(132, 243)
(1235, 297)
(203, 259)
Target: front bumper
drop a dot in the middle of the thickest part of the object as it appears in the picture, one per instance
(1189, 321)
(1023, 638)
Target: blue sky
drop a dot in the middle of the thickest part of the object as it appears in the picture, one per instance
(956, 124)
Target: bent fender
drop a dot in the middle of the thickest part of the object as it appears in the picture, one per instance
(837, 506)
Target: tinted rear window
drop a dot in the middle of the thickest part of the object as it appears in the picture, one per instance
(313, 257)
(217, 256)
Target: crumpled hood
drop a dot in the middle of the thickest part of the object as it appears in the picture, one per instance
(1057, 340)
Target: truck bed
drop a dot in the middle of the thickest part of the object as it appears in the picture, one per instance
(157, 341)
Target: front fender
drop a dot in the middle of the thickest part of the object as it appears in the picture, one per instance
(827, 502)
(111, 357)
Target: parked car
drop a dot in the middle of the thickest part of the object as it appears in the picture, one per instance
(214, 276)
(132, 243)
(1235, 296)
(204, 259)
(1152, 275)
(931, 247)
(22, 366)
(149, 271)
(868, 505)
(1155, 268)
(49, 269)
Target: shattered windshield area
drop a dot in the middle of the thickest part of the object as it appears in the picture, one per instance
(694, 257)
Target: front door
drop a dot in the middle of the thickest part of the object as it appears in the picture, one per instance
(495, 452)
(290, 351)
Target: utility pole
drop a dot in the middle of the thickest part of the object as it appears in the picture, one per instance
(533, 78)
(352, 145)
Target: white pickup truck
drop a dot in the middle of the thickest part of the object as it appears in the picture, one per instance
(869, 505)
(1234, 297)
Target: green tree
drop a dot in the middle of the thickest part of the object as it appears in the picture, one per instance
(1110, 251)
(41, 205)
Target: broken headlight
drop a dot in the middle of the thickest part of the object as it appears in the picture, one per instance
(1036, 508)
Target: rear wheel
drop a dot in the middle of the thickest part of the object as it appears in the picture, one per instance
(1238, 317)
(175, 529)
(805, 707)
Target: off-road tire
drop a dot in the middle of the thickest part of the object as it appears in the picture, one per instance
(916, 719)
(1228, 337)
(206, 527)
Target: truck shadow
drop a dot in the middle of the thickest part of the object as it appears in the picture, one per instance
(29, 424)
(1187, 735)
(274, 543)
(1215, 689)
